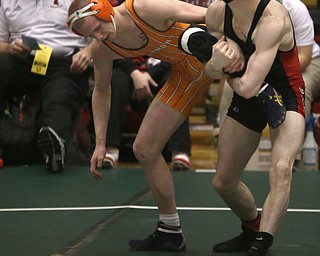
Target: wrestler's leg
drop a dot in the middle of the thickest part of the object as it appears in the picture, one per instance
(280, 173)
(157, 127)
(236, 145)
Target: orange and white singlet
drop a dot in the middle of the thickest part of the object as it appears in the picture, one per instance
(187, 81)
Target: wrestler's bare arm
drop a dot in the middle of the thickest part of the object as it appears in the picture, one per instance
(226, 57)
(214, 23)
(101, 97)
(101, 102)
(269, 34)
(159, 11)
(215, 18)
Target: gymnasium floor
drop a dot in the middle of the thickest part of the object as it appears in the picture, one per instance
(43, 214)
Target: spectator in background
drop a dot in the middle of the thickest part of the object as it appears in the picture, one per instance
(61, 80)
(308, 49)
(138, 80)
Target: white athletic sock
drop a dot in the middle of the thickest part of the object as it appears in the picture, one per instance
(170, 220)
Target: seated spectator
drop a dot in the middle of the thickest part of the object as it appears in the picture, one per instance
(138, 80)
(59, 76)
(308, 49)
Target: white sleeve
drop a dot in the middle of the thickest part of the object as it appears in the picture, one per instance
(302, 23)
(4, 31)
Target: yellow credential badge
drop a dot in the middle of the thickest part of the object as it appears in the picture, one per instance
(41, 60)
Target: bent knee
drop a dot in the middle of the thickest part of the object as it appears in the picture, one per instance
(282, 172)
(223, 185)
(139, 151)
(145, 151)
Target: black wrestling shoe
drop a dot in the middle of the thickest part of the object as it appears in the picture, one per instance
(240, 243)
(257, 249)
(160, 241)
(52, 147)
(261, 244)
(272, 104)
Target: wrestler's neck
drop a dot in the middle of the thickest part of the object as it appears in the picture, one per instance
(127, 34)
(122, 22)
(243, 11)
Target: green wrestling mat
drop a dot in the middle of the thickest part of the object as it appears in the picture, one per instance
(70, 213)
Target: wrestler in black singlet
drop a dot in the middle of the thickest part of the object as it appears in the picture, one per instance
(284, 75)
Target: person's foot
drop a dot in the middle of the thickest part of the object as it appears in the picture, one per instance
(161, 241)
(257, 249)
(240, 243)
(261, 244)
(110, 160)
(52, 147)
(180, 162)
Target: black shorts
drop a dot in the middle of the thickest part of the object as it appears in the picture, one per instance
(249, 112)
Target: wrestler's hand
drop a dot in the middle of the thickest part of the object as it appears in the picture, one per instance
(96, 161)
(237, 64)
(222, 55)
(272, 104)
(197, 41)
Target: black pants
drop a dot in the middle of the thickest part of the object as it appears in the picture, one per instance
(60, 91)
(122, 88)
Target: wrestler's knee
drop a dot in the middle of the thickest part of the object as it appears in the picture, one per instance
(144, 151)
(224, 184)
(281, 173)
(139, 150)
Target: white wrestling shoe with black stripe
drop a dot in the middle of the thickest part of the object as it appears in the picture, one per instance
(52, 147)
